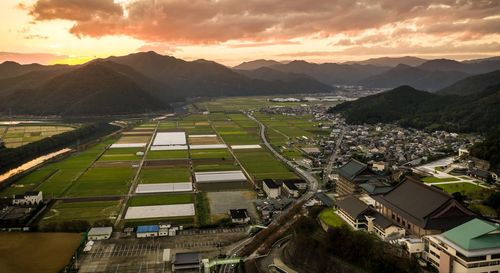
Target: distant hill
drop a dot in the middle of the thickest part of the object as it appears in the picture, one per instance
(478, 67)
(391, 61)
(429, 80)
(472, 85)
(252, 65)
(10, 69)
(413, 108)
(331, 73)
(269, 74)
(207, 78)
(93, 89)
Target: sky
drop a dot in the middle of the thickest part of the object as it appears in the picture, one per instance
(233, 31)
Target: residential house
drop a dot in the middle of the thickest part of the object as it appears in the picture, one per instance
(239, 216)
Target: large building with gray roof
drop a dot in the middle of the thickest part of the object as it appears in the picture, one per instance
(421, 209)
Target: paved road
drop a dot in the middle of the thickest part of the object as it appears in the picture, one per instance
(135, 181)
(313, 188)
(332, 158)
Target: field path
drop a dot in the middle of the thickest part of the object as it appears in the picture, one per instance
(135, 181)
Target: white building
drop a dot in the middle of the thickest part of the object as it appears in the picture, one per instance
(271, 189)
(29, 198)
(239, 216)
(99, 233)
(473, 247)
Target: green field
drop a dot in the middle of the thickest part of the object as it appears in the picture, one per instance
(102, 182)
(164, 199)
(158, 155)
(330, 218)
(211, 153)
(19, 135)
(86, 211)
(467, 189)
(261, 164)
(55, 178)
(121, 154)
(432, 179)
(164, 175)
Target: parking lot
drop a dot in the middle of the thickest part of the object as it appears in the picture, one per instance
(148, 255)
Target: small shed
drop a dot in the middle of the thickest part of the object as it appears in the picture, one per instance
(99, 233)
(147, 231)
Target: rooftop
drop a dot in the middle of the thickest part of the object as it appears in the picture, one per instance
(353, 206)
(475, 234)
(238, 213)
(352, 168)
(187, 258)
(100, 230)
(270, 184)
(152, 228)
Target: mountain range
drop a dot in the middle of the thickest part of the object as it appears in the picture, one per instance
(136, 83)
(386, 72)
(150, 82)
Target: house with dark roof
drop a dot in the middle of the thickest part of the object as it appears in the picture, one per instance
(289, 189)
(187, 261)
(352, 175)
(469, 248)
(421, 209)
(239, 216)
(323, 199)
(360, 216)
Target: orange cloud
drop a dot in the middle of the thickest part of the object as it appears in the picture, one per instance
(204, 21)
(29, 58)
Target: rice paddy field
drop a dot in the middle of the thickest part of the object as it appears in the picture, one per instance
(22, 134)
(105, 172)
(86, 211)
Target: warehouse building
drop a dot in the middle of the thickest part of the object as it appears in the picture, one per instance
(99, 233)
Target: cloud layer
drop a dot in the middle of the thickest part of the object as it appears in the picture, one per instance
(217, 21)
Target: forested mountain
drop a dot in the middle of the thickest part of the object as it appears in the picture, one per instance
(472, 85)
(413, 108)
(429, 80)
(93, 89)
(391, 61)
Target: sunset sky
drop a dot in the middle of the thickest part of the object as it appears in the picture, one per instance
(232, 31)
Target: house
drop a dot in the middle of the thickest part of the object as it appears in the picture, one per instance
(289, 189)
(29, 198)
(360, 216)
(164, 230)
(186, 261)
(323, 199)
(469, 248)
(414, 246)
(421, 209)
(271, 189)
(99, 233)
(481, 174)
(147, 231)
(379, 166)
(351, 176)
(239, 216)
